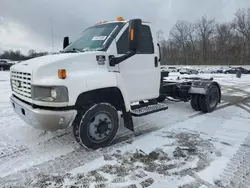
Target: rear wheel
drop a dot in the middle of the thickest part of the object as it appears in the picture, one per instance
(97, 127)
(195, 102)
(209, 102)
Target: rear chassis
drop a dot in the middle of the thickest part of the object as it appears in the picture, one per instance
(196, 89)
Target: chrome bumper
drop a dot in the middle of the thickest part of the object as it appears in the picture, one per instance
(43, 119)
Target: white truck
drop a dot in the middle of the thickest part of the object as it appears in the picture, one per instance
(108, 68)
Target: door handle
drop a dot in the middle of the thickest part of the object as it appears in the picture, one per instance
(156, 61)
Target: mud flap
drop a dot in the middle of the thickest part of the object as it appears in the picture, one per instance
(128, 121)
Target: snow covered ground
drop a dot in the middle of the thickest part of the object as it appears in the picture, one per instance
(174, 148)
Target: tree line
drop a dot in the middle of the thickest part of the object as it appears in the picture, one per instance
(18, 56)
(208, 42)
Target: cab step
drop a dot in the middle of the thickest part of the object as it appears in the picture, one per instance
(145, 110)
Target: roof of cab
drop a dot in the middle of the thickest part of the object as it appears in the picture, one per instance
(119, 19)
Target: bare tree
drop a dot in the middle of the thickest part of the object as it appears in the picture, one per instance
(191, 39)
(242, 24)
(211, 42)
(179, 34)
(205, 30)
(224, 34)
(160, 36)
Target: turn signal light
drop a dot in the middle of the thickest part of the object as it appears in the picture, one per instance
(62, 73)
(132, 34)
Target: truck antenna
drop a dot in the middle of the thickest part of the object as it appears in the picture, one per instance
(52, 35)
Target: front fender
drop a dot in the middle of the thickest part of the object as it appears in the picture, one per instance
(105, 80)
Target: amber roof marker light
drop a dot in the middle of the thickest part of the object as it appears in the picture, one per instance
(119, 18)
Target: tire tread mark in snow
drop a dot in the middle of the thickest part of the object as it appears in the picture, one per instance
(237, 172)
(200, 180)
(243, 107)
(63, 164)
(237, 89)
(224, 106)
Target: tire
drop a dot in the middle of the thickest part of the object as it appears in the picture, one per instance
(97, 127)
(161, 98)
(209, 102)
(195, 102)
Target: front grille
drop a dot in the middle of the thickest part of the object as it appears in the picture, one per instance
(21, 83)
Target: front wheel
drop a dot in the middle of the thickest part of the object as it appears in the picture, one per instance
(97, 127)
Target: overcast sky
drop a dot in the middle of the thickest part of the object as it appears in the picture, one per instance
(27, 24)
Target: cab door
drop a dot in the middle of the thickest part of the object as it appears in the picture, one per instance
(141, 72)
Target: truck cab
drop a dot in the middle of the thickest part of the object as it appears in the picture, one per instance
(111, 65)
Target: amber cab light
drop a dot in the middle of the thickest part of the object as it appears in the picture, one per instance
(62, 73)
(119, 18)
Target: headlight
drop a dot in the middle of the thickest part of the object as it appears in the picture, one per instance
(50, 94)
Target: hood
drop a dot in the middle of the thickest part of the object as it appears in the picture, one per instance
(30, 65)
(45, 68)
(85, 60)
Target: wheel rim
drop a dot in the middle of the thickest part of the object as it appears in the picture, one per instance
(100, 126)
(213, 98)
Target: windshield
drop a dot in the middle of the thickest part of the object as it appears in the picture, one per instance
(96, 38)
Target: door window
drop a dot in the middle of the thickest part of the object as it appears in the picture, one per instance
(145, 41)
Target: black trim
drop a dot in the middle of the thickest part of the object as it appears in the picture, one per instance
(34, 106)
(159, 51)
(116, 60)
(149, 112)
(128, 121)
(156, 61)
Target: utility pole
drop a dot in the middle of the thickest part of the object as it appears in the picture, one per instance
(52, 34)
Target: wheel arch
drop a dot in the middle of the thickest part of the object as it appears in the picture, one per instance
(112, 95)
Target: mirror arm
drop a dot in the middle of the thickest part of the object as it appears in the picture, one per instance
(116, 60)
(159, 51)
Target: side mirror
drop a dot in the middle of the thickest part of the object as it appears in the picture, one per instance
(134, 31)
(65, 42)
